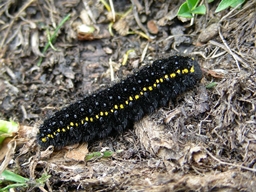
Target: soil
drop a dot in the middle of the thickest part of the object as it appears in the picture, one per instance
(204, 141)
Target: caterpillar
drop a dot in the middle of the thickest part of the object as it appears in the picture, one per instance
(118, 107)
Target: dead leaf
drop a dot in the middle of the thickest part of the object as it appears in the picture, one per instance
(78, 154)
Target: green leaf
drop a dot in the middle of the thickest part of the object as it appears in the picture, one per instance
(16, 185)
(92, 156)
(7, 128)
(224, 4)
(97, 155)
(184, 11)
(237, 3)
(184, 8)
(10, 176)
(192, 4)
(107, 154)
(200, 10)
(42, 180)
(187, 15)
(20, 181)
(211, 85)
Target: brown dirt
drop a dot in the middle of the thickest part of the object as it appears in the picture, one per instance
(205, 141)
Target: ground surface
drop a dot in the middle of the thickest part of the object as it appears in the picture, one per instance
(205, 141)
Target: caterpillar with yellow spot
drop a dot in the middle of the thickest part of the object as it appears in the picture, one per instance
(120, 106)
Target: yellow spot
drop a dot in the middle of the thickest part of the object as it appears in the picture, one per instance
(166, 77)
(126, 102)
(157, 81)
(63, 130)
(97, 116)
(82, 121)
(116, 107)
(130, 98)
(144, 89)
(172, 75)
(86, 119)
(48, 135)
(141, 93)
(71, 124)
(106, 113)
(178, 71)
(161, 80)
(150, 88)
(121, 106)
(137, 96)
(44, 140)
(58, 130)
(91, 119)
(54, 133)
(67, 127)
(112, 110)
(154, 85)
(185, 71)
(77, 124)
(101, 113)
(192, 69)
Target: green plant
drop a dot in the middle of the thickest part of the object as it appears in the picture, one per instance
(211, 85)
(19, 181)
(52, 38)
(189, 8)
(7, 128)
(224, 4)
(10, 176)
(98, 155)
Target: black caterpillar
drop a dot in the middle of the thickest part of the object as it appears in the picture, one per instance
(118, 107)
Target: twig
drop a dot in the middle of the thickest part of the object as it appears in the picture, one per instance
(225, 48)
(112, 75)
(112, 10)
(89, 12)
(229, 50)
(230, 12)
(144, 52)
(230, 164)
(136, 16)
(14, 19)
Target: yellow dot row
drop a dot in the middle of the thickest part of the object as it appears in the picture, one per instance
(121, 106)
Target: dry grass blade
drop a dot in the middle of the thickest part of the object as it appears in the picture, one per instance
(230, 164)
(52, 38)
